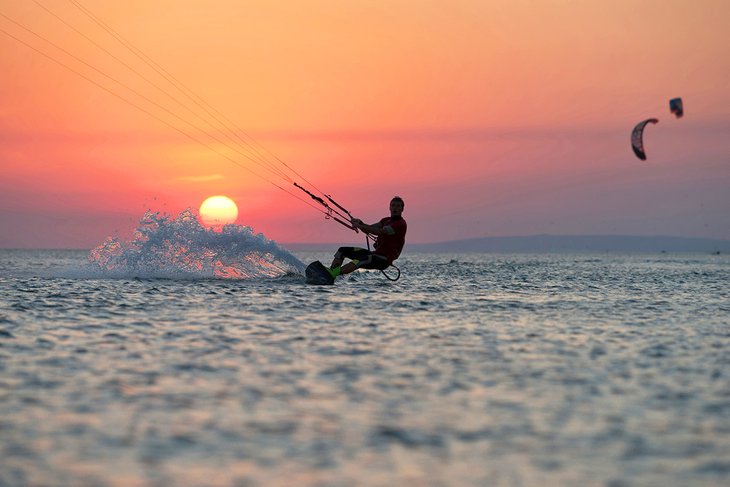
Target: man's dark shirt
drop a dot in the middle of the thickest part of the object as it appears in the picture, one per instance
(391, 246)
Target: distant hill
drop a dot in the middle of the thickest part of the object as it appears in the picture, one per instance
(578, 243)
(558, 243)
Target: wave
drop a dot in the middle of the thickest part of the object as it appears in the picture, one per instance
(180, 247)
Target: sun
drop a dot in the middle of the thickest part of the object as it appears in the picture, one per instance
(217, 211)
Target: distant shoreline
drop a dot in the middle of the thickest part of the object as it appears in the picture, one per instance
(534, 244)
(556, 244)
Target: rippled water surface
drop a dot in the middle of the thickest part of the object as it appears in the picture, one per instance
(503, 370)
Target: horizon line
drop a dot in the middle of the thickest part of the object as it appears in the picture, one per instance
(447, 242)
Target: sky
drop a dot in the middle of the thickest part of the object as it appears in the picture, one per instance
(489, 118)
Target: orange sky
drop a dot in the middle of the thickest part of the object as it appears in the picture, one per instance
(489, 118)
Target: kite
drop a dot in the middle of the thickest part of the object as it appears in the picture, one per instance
(637, 138)
(675, 106)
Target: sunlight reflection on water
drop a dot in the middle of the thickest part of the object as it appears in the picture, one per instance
(470, 370)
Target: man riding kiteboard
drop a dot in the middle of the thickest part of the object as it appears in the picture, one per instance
(391, 236)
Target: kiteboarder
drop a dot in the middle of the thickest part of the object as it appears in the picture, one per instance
(391, 235)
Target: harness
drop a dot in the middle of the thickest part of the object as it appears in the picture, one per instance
(367, 241)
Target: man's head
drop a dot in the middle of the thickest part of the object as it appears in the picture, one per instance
(396, 206)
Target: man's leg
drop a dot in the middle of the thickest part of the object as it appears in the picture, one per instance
(369, 261)
(353, 253)
(349, 267)
(339, 257)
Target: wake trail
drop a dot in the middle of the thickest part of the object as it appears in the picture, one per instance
(181, 248)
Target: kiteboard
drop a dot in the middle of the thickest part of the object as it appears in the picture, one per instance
(317, 273)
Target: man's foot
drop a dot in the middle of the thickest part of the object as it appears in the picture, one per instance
(334, 271)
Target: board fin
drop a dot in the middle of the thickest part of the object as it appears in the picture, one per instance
(317, 273)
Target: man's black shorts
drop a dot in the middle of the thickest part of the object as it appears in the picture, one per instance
(366, 258)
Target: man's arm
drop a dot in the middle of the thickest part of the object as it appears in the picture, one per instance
(374, 229)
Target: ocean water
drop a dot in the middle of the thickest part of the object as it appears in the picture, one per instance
(140, 365)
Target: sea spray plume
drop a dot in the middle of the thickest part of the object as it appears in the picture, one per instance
(163, 246)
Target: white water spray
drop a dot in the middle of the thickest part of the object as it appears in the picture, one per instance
(180, 247)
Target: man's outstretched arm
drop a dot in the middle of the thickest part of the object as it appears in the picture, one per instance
(374, 229)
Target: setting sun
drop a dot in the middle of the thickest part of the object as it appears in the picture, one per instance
(217, 211)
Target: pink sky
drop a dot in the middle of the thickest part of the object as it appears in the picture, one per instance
(488, 118)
